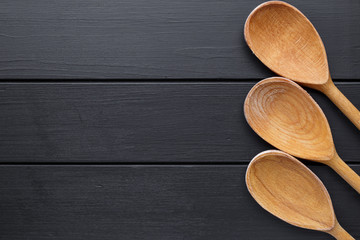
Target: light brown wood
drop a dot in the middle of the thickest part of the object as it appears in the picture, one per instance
(344, 171)
(286, 188)
(334, 94)
(339, 233)
(286, 42)
(286, 116)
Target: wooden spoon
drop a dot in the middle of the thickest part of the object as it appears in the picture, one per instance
(286, 42)
(286, 188)
(285, 115)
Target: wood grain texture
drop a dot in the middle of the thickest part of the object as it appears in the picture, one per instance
(142, 122)
(289, 190)
(286, 41)
(345, 172)
(338, 232)
(154, 39)
(286, 188)
(287, 117)
(156, 202)
(338, 98)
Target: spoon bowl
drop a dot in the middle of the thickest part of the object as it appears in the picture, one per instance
(286, 116)
(286, 188)
(286, 42)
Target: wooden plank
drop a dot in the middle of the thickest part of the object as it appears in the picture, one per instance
(154, 39)
(142, 122)
(154, 202)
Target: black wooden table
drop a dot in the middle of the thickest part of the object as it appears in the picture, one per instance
(123, 119)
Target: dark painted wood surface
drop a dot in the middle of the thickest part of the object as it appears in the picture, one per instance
(142, 122)
(149, 202)
(155, 38)
(197, 120)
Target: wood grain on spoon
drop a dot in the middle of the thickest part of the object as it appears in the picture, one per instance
(286, 41)
(289, 190)
(285, 115)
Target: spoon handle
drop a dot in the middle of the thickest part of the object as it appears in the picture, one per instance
(345, 171)
(339, 233)
(332, 92)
